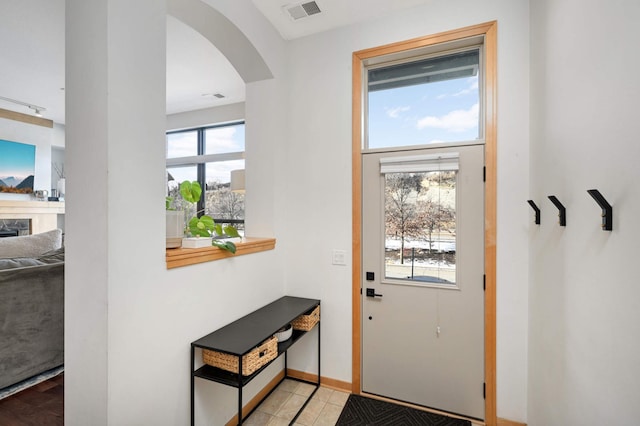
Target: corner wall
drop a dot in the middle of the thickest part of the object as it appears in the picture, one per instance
(130, 321)
(318, 171)
(584, 316)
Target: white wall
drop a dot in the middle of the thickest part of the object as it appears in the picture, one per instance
(42, 138)
(318, 150)
(203, 117)
(129, 321)
(584, 316)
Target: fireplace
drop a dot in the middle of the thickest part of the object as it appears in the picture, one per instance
(30, 217)
(14, 227)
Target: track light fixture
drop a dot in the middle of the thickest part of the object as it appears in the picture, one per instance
(37, 109)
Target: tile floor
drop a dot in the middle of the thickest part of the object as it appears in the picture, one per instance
(280, 407)
(283, 403)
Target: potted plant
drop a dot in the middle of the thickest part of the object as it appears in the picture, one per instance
(204, 226)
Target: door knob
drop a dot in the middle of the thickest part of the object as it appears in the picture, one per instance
(371, 292)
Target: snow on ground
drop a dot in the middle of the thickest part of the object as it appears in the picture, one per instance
(442, 245)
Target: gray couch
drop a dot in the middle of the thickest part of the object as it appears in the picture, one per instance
(31, 316)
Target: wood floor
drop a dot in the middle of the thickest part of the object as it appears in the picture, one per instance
(39, 405)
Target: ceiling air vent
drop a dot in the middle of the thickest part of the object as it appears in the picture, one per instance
(302, 10)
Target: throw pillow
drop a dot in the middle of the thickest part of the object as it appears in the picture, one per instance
(30, 245)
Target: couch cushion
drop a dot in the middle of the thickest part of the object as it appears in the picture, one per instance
(30, 245)
(53, 256)
(50, 257)
(20, 262)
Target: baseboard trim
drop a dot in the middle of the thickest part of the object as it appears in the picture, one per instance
(324, 381)
(505, 422)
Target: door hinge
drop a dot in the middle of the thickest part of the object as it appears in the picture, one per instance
(484, 283)
(484, 173)
(484, 390)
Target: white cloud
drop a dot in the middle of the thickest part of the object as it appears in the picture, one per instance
(472, 88)
(221, 139)
(395, 112)
(455, 121)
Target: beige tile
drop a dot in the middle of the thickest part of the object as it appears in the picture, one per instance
(291, 407)
(338, 398)
(310, 413)
(289, 385)
(323, 394)
(274, 402)
(304, 389)
(277, 421)
(258, 418)
(329, 415)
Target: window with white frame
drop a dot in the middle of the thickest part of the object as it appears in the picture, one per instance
(213, 156)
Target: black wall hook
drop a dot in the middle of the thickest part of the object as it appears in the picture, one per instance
(536, 209)
(562, 211)
(607, 210)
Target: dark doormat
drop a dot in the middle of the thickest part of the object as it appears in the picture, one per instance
(362, 411)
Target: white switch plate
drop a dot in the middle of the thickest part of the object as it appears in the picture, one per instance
(339, 257)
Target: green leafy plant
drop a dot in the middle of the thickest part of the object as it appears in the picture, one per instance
(205, 226)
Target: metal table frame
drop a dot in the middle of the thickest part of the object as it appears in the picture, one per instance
(243, 335)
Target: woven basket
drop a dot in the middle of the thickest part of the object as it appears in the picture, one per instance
(251, 362)
(307, 321)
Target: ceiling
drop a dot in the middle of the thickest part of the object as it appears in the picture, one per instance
(32, 42)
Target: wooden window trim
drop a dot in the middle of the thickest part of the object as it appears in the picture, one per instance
(186, 256)
(489, 31)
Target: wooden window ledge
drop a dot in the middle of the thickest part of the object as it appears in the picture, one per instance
(187, 256)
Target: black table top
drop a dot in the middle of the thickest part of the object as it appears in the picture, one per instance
(244, 334)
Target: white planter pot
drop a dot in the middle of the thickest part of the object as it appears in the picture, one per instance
(196, 242)
(175, 228)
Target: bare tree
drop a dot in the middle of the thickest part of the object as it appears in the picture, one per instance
(401, 216)
(433, 216)
(410, 213)
(223, 203)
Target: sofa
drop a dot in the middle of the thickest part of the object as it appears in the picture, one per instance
(31, 306)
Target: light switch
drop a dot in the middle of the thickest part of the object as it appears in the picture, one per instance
(339, 257)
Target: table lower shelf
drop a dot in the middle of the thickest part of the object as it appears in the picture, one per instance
(228, 378)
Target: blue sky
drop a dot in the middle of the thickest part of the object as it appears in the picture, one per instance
(17, 159)
(218, 140)
(445, 111)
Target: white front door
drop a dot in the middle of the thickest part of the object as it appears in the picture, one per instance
(422, 284)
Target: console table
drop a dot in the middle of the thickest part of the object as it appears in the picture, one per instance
(242, 336)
